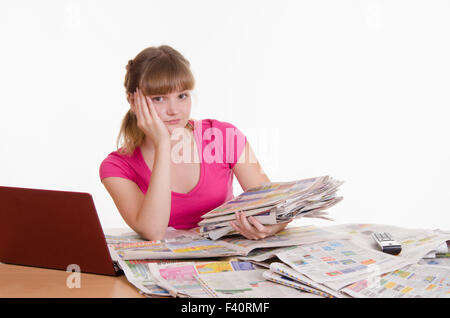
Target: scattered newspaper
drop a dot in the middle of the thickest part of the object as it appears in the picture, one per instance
(287, 281)
(338, 263)
(409, 282)
(333, 261)
(438, 261)
(180, 278)
(124, 238)
(178, 248)
(183, 247)
(439, 257)
(120, 235)
(246, 282)
(442, 250)
(286, 271)
(138, 274)
(290, 236)
(273, 203)
(263, 254)
(233, 279)
(416, 243)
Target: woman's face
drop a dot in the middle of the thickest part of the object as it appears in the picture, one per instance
(174, 109)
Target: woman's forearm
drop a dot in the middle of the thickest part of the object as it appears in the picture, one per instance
(153, 216)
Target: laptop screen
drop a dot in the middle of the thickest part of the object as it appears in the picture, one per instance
(52, 229)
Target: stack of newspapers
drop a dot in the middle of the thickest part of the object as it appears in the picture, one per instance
(273, 203)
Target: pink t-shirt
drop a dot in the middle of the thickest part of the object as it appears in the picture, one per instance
(219, 146)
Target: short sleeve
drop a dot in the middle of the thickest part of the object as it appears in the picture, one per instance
(233, 142)
(114, 166)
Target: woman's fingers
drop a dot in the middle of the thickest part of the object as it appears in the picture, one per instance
(244, 222)
(137, 104)
(256, 228)
(251, 228)
(238, 228)
(247, 228)
(145, 110)
(257, 225)
(151, 107)
(148, 120)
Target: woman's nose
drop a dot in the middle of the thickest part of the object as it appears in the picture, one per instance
(172, 107)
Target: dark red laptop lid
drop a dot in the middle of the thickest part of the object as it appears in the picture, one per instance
(52, 229)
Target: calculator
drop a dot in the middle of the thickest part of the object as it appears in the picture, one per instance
(387, 243)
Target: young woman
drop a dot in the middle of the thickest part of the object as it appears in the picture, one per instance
(172, 169)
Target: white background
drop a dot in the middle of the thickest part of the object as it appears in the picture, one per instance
(358, 90)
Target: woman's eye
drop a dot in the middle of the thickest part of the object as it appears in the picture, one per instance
(183, 96)
(157, 99)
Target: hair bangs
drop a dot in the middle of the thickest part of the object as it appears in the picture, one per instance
(165, 77)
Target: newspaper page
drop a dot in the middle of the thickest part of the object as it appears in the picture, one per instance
(177, 248)
(179, 278)
(284, 280)
(229, 279)
(443, 261)
(130, 237)
(274, 203)
(183, 247)
(409, 282)
(290, 236)
(246, 282)
(307, 209)
(416, 243)
(274, 214)
(442, 250)
(120, 239)
(440, 257)
(338, 263)
(127, 235)
(266, 195)
(138, 274)
(261, 214)
(286, 271)
(217, 231)
(263, 254)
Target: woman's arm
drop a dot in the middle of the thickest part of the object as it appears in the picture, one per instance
(250, 174)
(248, 171)
(148, 215)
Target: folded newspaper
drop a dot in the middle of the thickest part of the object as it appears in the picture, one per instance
(273, 203)
(190, 247)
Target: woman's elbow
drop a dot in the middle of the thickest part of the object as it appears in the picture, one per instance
(152, 235)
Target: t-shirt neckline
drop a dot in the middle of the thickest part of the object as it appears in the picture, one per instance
(202, 172)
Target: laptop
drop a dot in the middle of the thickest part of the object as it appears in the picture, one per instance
(53, 229)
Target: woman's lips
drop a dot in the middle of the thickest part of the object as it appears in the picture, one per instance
(173, 122)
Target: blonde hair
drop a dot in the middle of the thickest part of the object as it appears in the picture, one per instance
(155, 70)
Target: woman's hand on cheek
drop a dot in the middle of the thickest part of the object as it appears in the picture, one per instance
(254, 230)
(148, 120)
